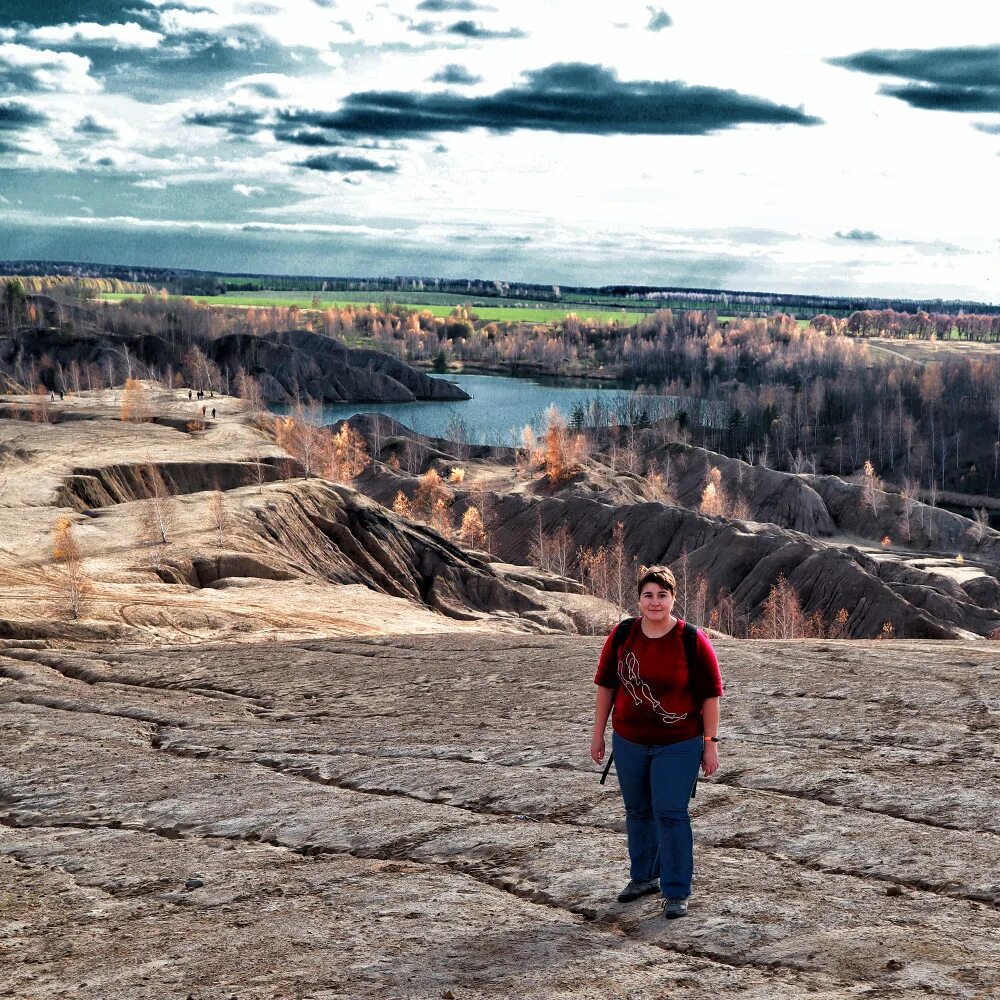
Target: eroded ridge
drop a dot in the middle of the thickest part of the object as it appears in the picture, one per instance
(388, 818)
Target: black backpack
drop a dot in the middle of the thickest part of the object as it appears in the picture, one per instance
(689, 639)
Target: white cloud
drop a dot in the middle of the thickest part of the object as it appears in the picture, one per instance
(50, 71)
(129, 35)
(247, 190)
(151, 183)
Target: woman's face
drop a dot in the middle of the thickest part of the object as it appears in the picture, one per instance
(656, 602)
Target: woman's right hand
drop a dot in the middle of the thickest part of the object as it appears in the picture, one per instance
(597, 748)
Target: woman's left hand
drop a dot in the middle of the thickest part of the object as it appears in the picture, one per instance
(710, 759)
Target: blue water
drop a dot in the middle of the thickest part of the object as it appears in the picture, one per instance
(501, 406)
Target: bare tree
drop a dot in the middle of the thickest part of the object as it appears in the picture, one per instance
(218, 515)
(781, 614)
(249, 390)
(255, 472)
(156, 514)
(872, 495)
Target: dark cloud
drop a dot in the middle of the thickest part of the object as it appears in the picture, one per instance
(306, 137)
(52, 12)
(928, 97)
(15, 116)
(469, 29)
(442, 5)
(658, 19)
(858, 236)
(14, 119)
(235, 120)
(965, 79)
(90, 126)
(968, 67)
(341, 163)
(262, 89)
(566, 97)
(455, 74)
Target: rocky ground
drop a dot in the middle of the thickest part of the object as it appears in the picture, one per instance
(322, 757)
(418, 817)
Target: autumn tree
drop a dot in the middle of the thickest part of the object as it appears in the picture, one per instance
(40, 412)
(348, 455)
(135, 404)
(72, 584)
(401, 505)
(472, 530)
(440, 518)
(713, 497)
(430, 490)
(839, 628)
(303, 438)
(558, 467)
(660, 485)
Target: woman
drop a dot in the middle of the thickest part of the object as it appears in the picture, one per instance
(662, 678)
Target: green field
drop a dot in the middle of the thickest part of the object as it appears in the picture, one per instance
(487, 313)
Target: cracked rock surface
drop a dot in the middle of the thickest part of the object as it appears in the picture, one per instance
(418, 817)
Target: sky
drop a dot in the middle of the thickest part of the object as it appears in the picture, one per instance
(847, 149)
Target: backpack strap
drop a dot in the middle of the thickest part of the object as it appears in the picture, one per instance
(689, 637)
(620, 634)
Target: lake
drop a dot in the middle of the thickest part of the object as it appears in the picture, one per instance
(501, 406)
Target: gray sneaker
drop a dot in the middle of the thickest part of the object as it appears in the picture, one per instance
(674, 908)
(637, 888)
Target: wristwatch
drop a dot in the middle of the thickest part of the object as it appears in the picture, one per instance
(711, 739)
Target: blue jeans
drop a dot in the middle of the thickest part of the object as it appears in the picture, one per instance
(656, 784)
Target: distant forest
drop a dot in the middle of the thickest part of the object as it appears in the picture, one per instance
(802, 398)
(725, 302)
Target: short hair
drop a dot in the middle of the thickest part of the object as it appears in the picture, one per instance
(662, 575)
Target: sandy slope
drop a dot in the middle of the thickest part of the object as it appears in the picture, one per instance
(129, 600)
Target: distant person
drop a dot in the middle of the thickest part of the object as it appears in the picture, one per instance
(203, 411)
(213, 412)
(62, 395)
(189, 393)
(661, 677)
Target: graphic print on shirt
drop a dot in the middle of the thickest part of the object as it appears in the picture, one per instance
(628, 672)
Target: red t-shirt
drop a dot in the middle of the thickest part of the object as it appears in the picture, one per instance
(658, 697)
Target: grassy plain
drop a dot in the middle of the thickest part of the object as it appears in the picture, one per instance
(923, 351)
(503, 313)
